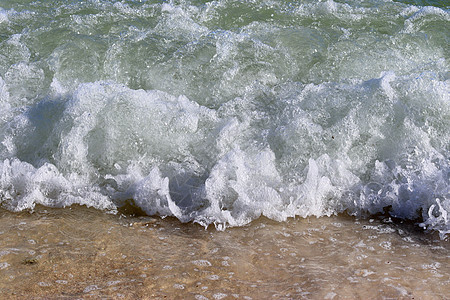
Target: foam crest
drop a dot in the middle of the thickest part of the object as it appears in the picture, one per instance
(438, 218)
(149, 147)
(5, 107)
(243, 186)
(23, 186)
(3, 16)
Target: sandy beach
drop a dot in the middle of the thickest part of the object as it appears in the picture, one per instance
(83, 253)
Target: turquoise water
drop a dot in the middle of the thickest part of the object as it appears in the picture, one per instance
(218, 112)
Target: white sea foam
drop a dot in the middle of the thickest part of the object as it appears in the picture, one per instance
(116, 144)
(3, 16)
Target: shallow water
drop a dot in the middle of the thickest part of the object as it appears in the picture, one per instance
(85, 253)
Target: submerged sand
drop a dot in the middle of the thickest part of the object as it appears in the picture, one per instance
(84, 253)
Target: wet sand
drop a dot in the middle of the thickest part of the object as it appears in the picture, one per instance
(78, 252)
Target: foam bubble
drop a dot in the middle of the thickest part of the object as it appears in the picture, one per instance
(3, 16)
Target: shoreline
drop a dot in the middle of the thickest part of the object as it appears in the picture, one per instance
(79, 252)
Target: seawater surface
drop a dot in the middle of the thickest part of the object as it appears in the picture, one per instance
(220, 112)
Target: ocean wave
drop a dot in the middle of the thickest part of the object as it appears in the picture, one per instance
(222, 112)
